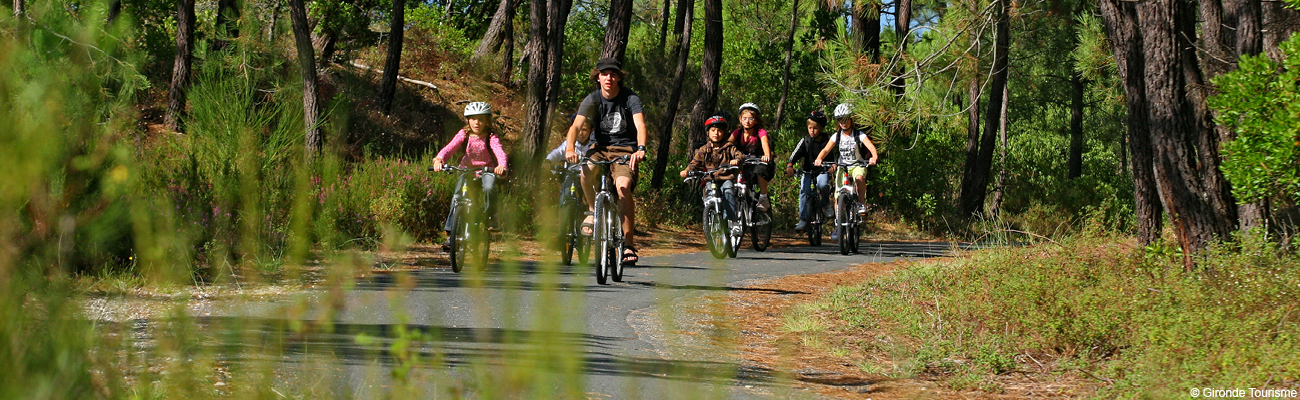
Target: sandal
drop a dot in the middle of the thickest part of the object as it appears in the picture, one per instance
(629, 255)
(588, 225)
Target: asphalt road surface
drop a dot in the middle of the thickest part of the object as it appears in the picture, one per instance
(541, 331)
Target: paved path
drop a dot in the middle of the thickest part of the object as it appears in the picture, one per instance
(528, 327)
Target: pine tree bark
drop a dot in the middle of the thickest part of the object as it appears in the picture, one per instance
(710, 70)
(307, 66)
(866, 28)
(20, 8)
(181, 66)
(227, 24)
(975, 184)
(685, 8)
(999, 186)
(903, 26)
(557, 19)
(679, 21)
(535, 114)
(114, 10)
(1175, 135)
(1121, 23)
(393, 64)
(617, 29)
(785, 69)
(1075, 164)
(663, 28)
(508, 51)
(498, 30)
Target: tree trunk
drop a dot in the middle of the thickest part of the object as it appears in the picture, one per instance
(20, 8)
(227, 24)
(497, 30)
(1173, 119)
(679, 21)
(1121, 21)
(181, 67)
(902, 26)
(663, 28)
(307, 64)
(710, 70)
(1279, 22)
(684, 8)
(275, 19)
(785, 70)
(866, 28)
(508, 55)
(616, 30)
(535, 114)
(1075, 163)
(396, 32)
(975, 185)
(557, 18)
(972, 134)
(1000, 185)
(114, 10)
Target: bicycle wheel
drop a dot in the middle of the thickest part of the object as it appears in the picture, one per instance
(738, 238)
(815, 234)
(842, 205)
(616, 236)
(761, 235)
(600, 240)
(482, 243)
(568, 235)
(854, 231)
(453, 239)
(715, 232)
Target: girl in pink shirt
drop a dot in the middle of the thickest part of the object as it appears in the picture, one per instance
(482, 148)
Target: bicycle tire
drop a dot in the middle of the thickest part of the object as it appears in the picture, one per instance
(615, 233)
(761, 235)
(453, 249)
(569, 231)
(743, 220)
(715, 233)
(842, 204)
(601, 242)
(815, 234)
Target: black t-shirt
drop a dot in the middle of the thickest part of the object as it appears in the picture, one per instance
(611, 119)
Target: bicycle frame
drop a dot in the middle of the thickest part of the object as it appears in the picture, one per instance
(607, 234)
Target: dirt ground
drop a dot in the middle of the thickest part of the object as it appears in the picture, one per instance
(762, 341)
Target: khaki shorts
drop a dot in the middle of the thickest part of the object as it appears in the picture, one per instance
(610, 153)
(857, 172)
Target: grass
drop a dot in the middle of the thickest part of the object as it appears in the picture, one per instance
(1094, 306)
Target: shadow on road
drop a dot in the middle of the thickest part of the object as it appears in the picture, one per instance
(459, 347)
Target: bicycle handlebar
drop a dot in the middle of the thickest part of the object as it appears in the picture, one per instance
(452, 168)
(617, 160)
(692, 175)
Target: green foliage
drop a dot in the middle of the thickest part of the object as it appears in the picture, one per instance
(1260, 103)
(432, 31)
(1137, 319)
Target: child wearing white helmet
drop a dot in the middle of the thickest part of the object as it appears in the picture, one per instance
(751, 139)
(482, 148)
(850, 139)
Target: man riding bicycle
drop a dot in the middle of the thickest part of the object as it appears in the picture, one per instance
(609, 109)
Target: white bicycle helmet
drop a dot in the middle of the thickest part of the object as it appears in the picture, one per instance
(477, 108)
(843, 110)
(749, 106)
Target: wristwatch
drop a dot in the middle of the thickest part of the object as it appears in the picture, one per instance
(640, 148)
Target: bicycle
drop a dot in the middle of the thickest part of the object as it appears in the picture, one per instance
(717, 237)
(607, 226)
(814, 204)
(469, 240)
(572, 211)
(757, 223)
(847, 217)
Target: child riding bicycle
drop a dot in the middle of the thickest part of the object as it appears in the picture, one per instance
(752, 140)
(714, 154)
(805, 153)
(850, 139)
(482, 148)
